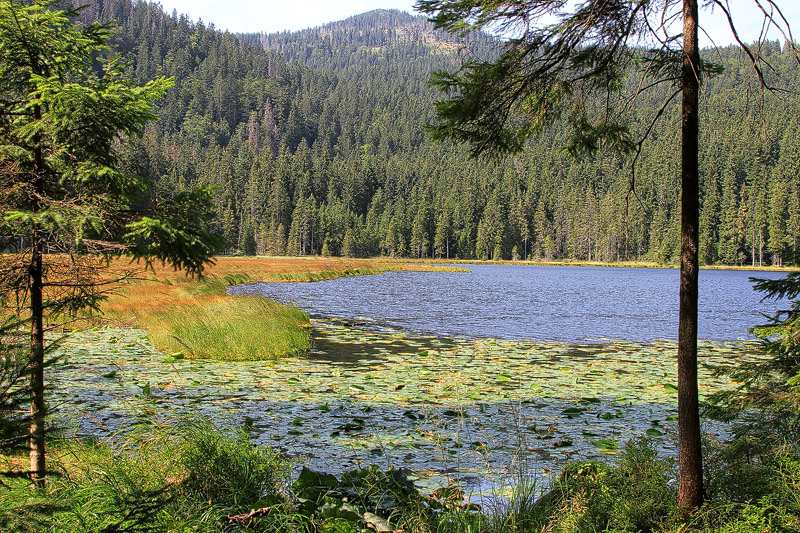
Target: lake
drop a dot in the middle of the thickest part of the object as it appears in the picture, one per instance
(543, 303)
(456, 376)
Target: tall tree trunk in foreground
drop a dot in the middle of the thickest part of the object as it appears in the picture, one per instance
(690, 490)
(37, 429)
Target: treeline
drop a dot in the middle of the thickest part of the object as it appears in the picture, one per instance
(315, 140)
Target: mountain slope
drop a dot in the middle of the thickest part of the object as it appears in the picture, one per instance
(317, 146)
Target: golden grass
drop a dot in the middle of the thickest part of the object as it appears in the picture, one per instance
(198, 319)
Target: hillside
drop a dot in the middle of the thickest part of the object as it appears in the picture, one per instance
(316, 141)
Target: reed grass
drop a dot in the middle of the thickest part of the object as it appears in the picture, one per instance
(241, 328)
(200, 321)
(197, 318)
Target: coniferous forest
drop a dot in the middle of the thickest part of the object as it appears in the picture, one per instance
(315, 142)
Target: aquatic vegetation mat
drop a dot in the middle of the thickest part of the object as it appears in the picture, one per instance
(450, 410)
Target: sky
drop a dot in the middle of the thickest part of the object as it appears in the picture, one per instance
(274, 16)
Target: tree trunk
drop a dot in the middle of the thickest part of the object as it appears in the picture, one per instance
(37, 430)
(690, 489)
(36, 280)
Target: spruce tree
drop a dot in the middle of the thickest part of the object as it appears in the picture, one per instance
(67, 204)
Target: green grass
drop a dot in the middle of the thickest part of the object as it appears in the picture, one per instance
(199, 320)
(333, 274)
(240, 328)
(191, 476)
(184, 478)
(325, 275)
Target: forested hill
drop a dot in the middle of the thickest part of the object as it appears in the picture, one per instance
(316, 141)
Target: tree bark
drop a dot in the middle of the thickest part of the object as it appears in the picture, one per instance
(37, 428)
(36, 277)
(690, 489)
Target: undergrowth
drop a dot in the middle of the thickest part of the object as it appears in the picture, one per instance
(191, 476)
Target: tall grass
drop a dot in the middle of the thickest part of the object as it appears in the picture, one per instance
(198, 319)
(191, 476)
(241, 328)
(185, 478)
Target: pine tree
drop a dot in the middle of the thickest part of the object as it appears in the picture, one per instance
(61, 123)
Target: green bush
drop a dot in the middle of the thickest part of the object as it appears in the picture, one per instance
(635, 495)
(228, 470)
(188, 478)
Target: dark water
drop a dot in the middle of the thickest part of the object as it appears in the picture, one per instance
(543, 303)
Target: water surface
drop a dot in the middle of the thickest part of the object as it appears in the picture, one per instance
(543, 303)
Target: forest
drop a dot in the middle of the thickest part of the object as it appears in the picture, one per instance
(315, 143)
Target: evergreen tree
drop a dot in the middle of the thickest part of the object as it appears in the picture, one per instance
(65, 190)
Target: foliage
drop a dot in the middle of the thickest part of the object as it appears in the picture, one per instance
(66, 109)
(156, 478)
(750, 489)
(634, 495)
(228, 470)
(767, 399)
(191, 476)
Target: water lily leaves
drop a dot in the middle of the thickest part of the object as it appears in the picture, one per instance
(605, 445)
(653, 432)
(412, 408)
(356, 424)
(109, 375)
(669, 387)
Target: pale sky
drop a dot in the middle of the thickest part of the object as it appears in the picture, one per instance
(274, 16)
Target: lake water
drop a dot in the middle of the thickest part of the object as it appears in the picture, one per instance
(543, 303)
(465, 403)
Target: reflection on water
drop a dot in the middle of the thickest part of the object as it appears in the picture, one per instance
(544, 303)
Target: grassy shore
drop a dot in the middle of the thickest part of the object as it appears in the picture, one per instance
(191, 476)
(195, 318)
(582, 263)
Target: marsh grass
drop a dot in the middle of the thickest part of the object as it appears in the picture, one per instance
(195, 318)
(242, 328)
